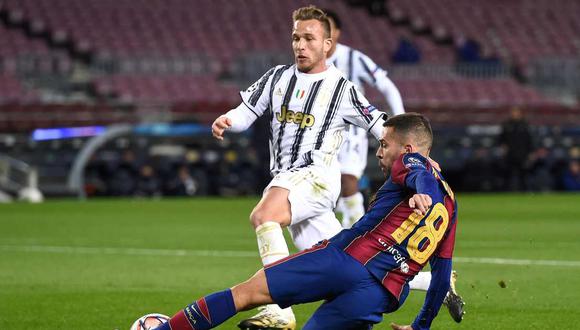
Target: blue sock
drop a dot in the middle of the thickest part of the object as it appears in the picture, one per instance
(206, 313)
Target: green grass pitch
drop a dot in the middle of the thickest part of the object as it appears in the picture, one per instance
(101, 264)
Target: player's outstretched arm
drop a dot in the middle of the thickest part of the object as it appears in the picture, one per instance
(236, 120)
(440, 280)
(391, 94)
(254, 102)
(377, 77)
(359, 112)
(219, 126)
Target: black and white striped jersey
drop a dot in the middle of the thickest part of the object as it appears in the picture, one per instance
(359, 68)
(308, 114)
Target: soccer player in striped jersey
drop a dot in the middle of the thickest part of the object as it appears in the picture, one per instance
(361, 69)
(362, 272)
(309, 105)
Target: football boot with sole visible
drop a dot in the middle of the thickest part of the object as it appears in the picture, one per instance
(453, 301)
(270, 317)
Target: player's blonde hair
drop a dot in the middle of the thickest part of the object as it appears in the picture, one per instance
(315, 13)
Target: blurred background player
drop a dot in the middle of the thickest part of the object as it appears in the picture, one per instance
(358, 68)
(517, 144)
(361, 273)
(361, 69)
(308, 104)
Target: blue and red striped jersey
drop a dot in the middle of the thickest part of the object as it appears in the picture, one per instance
(391, 240)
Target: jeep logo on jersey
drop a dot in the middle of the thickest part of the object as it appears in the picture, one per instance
(298, 118)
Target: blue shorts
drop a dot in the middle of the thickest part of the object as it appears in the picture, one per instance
(354, 299)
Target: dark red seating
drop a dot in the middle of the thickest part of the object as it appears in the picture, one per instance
(517, 31)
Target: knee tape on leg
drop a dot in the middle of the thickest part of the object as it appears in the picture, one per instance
(271, 242)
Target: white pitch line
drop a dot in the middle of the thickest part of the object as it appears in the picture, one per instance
(518, 262)
(250, 254)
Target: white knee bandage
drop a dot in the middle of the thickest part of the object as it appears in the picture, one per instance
(271, 242)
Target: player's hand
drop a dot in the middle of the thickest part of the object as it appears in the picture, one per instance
(420, 203)
(401, 327)
(219, 126)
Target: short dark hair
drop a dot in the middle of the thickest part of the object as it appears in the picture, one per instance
(334, 17)
(413, 123)
(312, 12)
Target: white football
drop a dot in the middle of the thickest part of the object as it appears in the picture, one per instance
(149, 321)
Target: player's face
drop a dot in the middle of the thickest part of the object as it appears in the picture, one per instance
(390, 148)
(310, 46)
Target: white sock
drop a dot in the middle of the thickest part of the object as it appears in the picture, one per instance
(272, 247)
(421, 281)
(354, 206)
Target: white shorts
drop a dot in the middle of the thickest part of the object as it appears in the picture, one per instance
(314, 191)
(353, 153)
